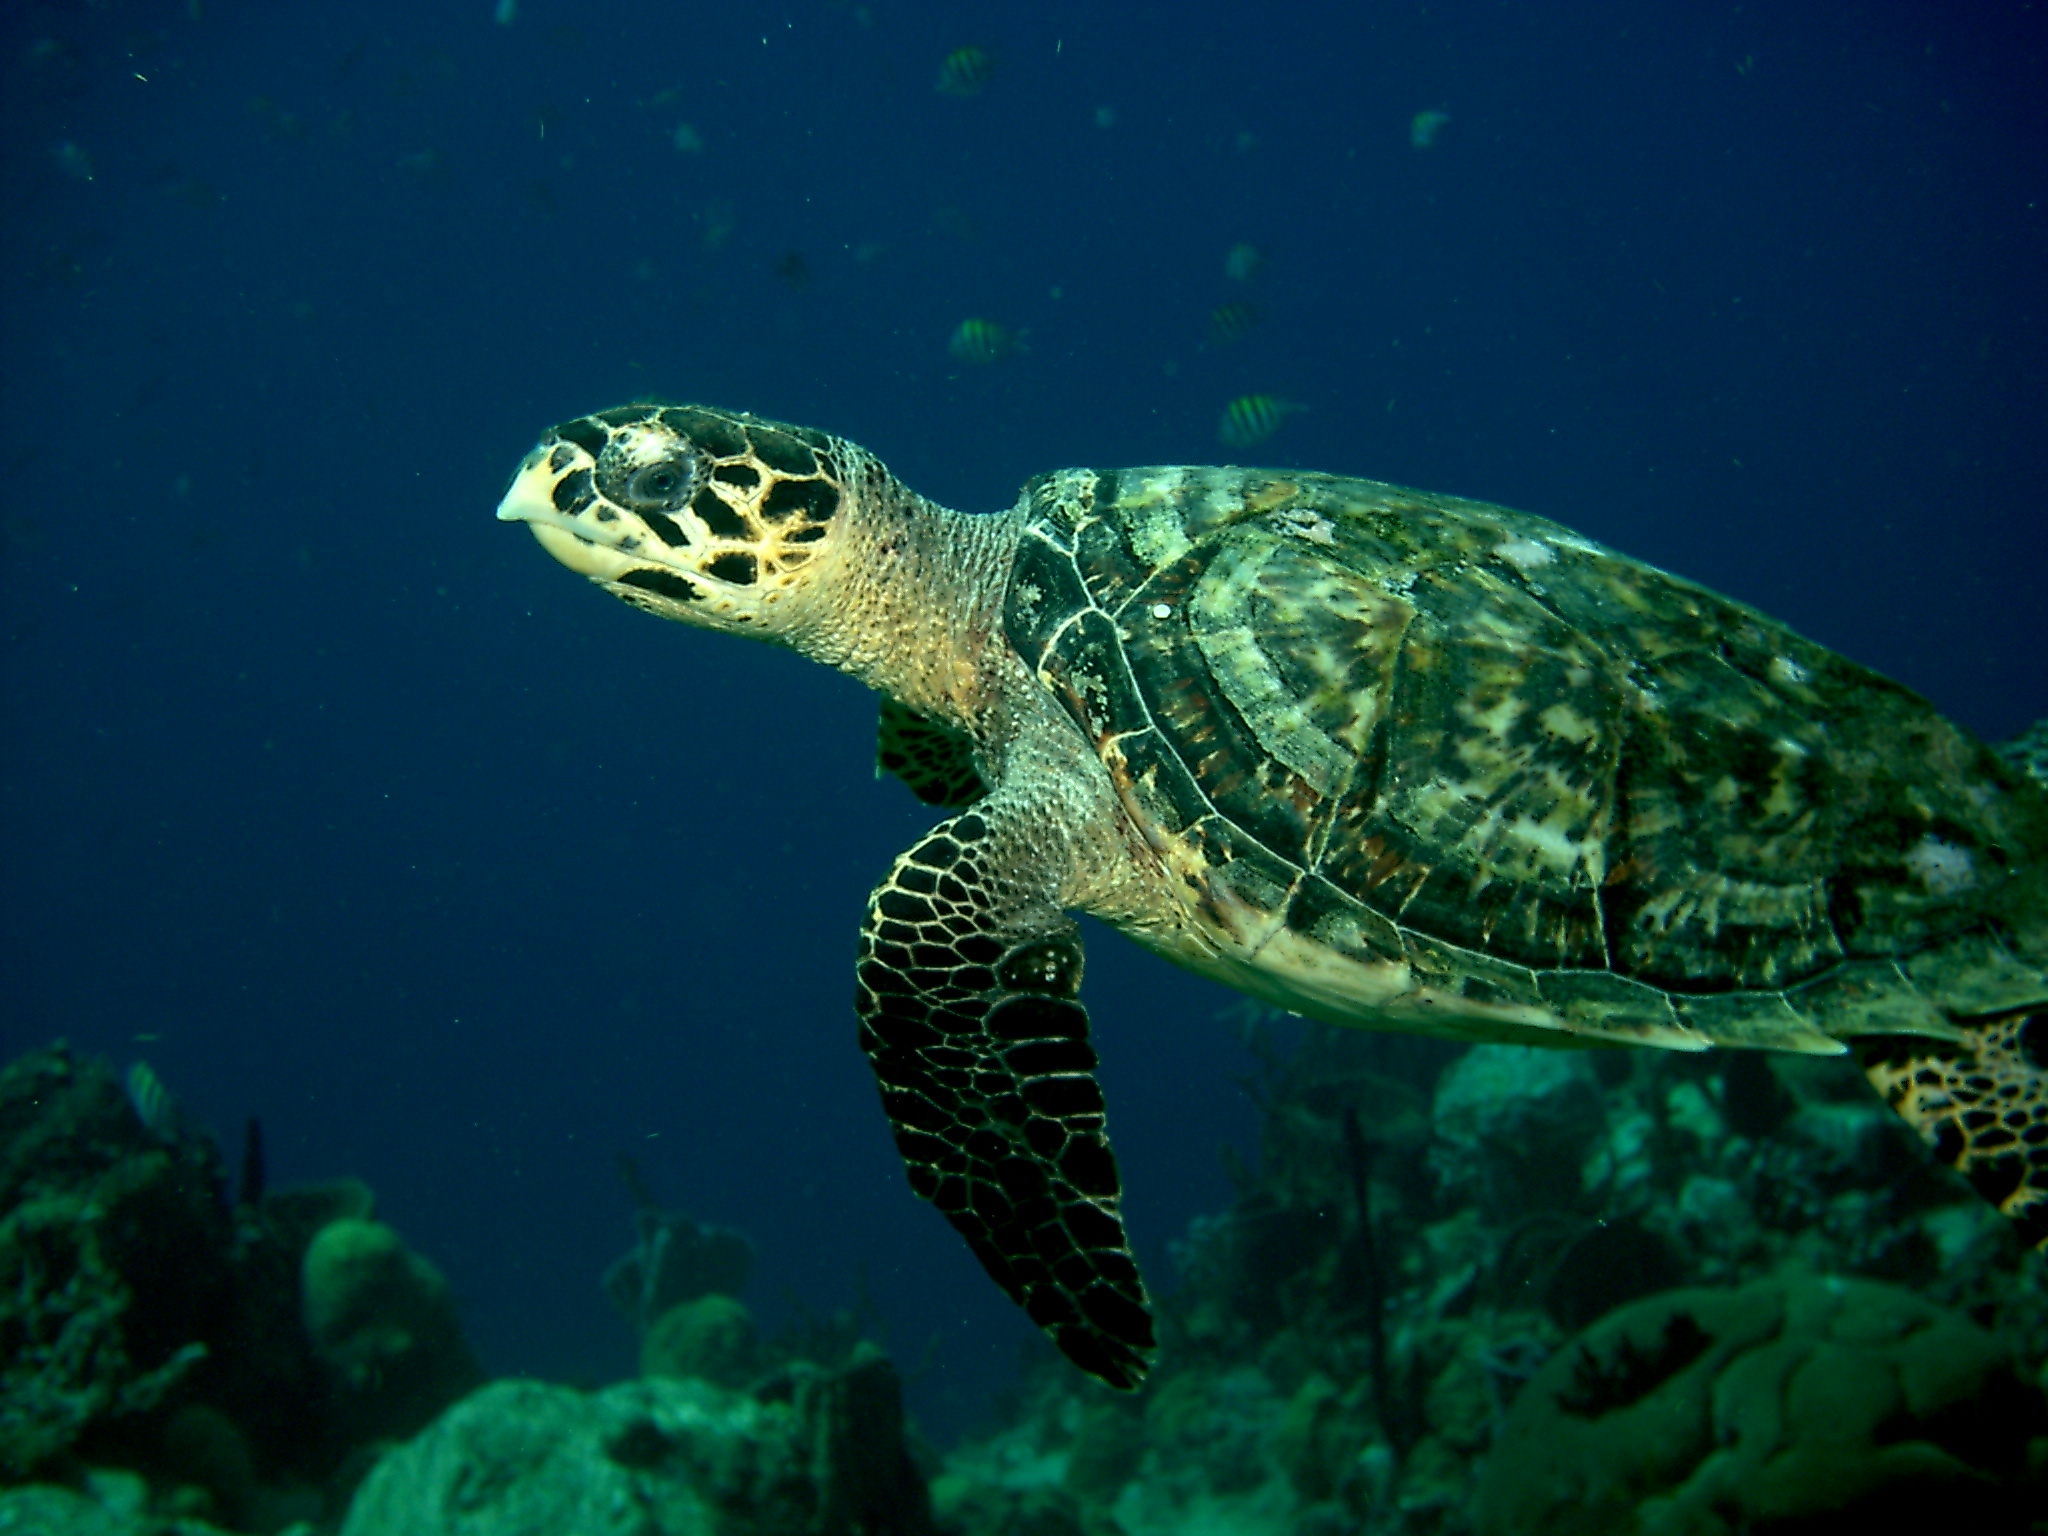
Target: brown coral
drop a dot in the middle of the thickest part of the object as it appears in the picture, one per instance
(1706, 1412)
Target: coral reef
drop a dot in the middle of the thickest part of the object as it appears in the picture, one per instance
(152, 1328)
(1427, 1229)
(808, 1452)
(1771, 1407)
(96, 1209)
(180, 1363)
(712, 1337)
(674, 1259)
(1614, 1293)
(112, 1504)
(383, 1324)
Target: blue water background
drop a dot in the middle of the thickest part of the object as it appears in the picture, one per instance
(345, 807)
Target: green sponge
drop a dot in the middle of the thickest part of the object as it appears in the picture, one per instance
(383, 1322)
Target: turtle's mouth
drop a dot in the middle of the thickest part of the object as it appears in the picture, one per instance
(531, 500)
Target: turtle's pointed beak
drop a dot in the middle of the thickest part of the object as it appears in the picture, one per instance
(531, 500)
(517, 504)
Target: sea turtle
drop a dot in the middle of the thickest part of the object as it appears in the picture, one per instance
(1383, 757)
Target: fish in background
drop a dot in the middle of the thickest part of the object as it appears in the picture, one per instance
(1242, 261)
(1423, 128)
(980, 341)
(966, 72)
(1232, 322)
(161, 1116)
(152, 1102)
(1250, 419)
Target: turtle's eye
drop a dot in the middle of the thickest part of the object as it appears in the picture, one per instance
(660, 487)
(646, 469)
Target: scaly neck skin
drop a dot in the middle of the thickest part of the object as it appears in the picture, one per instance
(916, 603)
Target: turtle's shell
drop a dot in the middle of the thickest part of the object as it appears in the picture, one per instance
(1549, 786)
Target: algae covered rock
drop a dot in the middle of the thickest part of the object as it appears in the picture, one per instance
(1787, 1402)
(114, 1259)
(674, 1259)
(1515, 1124)
(178, 1357)
(712, 1336)
(383, 1322)
(154, 1324)
(42, 1509)
(371, 1304)
(817, 1454)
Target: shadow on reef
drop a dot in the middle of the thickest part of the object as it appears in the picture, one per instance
(1505, 1290)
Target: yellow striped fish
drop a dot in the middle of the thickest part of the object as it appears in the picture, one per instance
(152, 1102)
(1251, 419)
(1232, 322)
(1423, 128)
(976, 340)
(966, 71)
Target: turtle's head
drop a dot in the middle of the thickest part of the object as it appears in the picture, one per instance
(712, 517)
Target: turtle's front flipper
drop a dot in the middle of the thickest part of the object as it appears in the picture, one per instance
(1983, 1106)
(968, 1012)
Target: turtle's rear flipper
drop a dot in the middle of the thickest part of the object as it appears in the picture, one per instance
(969, 1016)
(1983, 1107)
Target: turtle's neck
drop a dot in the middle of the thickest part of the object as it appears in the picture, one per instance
(915, 608)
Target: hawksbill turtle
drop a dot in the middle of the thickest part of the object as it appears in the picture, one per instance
(1386, 758)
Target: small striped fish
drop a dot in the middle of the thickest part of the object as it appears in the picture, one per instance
(152, 1102)
(1251, 419)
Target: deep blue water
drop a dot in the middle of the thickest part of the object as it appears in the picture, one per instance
(346, 807)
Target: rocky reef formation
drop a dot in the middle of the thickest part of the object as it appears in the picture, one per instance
(177, 1360)
(1614, 1292)
(1460, 1293)
(235, 1357)
(808, 1451)
(1787, 1403)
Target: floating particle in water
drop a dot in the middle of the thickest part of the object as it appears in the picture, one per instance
(73, 161)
